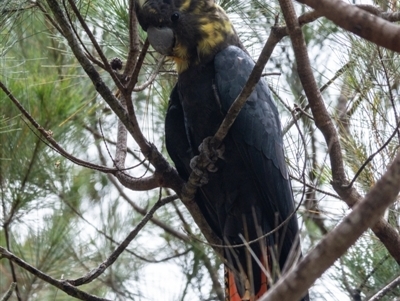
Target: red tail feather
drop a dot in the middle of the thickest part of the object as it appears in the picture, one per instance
(231, 291)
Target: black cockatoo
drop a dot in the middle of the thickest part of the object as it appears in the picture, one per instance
(248, 193)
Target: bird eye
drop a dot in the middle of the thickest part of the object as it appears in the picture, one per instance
(175, 17)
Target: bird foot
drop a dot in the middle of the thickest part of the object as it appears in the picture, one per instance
(212, 153)
(195, 165)
(205, 162)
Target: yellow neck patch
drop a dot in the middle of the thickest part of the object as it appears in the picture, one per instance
(185, 5)
(180, 56)
(212, 29)
(215, 33)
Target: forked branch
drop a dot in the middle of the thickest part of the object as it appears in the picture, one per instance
(382, 229)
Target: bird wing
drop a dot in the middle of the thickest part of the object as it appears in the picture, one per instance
(258, 138)
(177, 138)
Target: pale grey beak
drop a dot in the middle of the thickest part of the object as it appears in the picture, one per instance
(162, 39)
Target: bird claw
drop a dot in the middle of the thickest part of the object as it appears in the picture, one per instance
(211, 155)
(203, 175)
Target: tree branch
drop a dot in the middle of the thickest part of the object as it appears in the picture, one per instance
(60, 284)
(382, 229)
(168, 177)
(294, 284)
(359, 22)
(388, 288)
(93, 274)
(9, 292)
(371, 157)
(47, 134)
(96, 45)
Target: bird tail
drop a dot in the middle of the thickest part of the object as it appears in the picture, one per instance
(232, 292)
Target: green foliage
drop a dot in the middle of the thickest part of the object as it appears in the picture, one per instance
(66, 220)
(368, 273)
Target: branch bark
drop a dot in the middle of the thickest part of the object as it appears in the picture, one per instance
(294, 285)
(133, 128)
(61, 284)
(382, 229)
(359, 22)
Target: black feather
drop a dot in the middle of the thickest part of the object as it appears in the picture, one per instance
(251, 187)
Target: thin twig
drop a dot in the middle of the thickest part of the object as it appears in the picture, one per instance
(152, 76)
(384, 291)
(372, 272)
(88, 54)
(96, 45)
(9, 292)
(371, 157)
(60, 284)
(48, 136)
(93, 274)
(322, 89)
(316, 188)
(294, 284)
(48, 17)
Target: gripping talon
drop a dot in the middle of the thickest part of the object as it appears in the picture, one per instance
(199, 172)
(194, 163)
(211, 155)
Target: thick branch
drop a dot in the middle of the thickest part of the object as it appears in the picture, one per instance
(359, 21)
(168, 177)
(388, 236)
(294, 285)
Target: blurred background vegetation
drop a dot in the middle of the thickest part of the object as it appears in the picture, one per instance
(65, 219)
